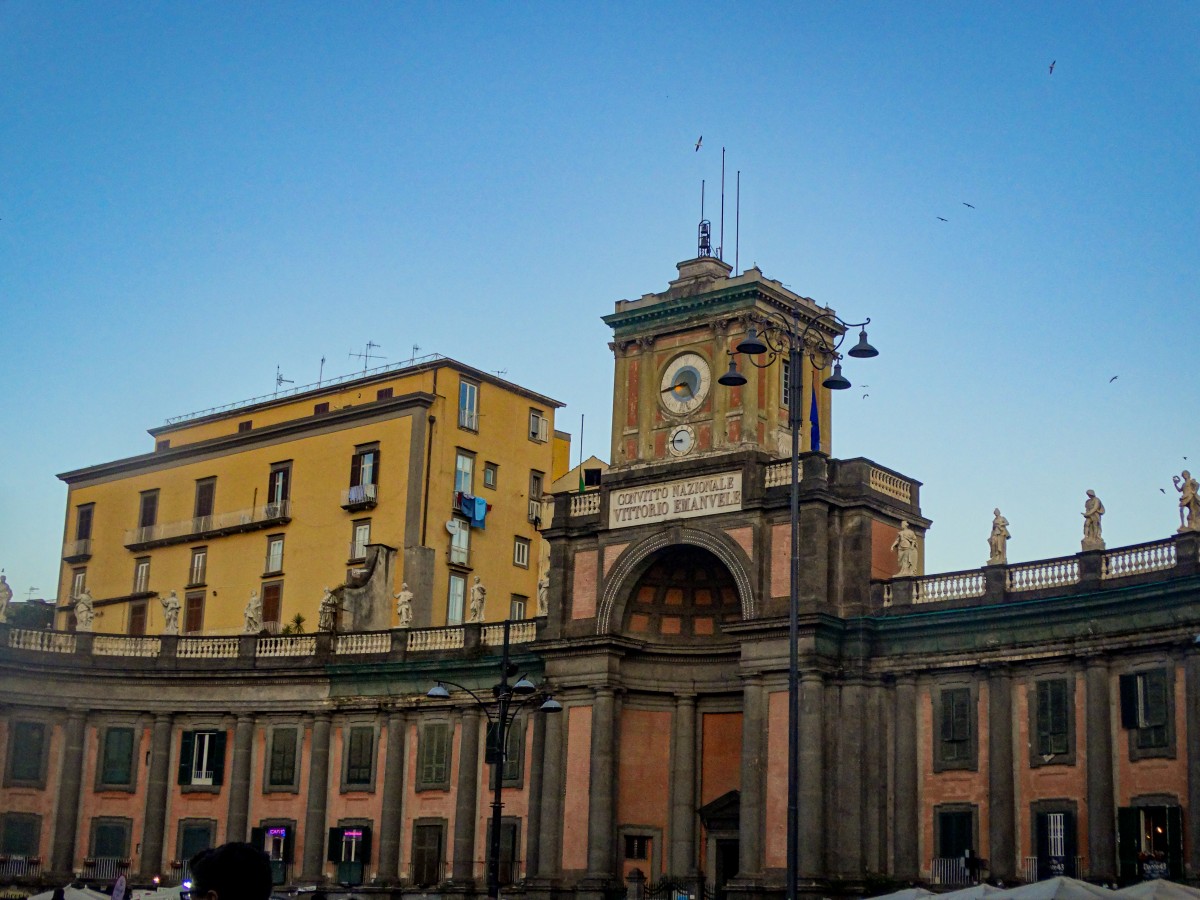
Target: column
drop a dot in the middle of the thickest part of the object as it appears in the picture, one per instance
(533, 819)
(1102, 812)
(754, 767)
(391, 817)
(239, 782)
(66, 812)
(1191, 691)
(157, 784)
(847, 770)
(812, 776)
(467, 801)
(683, 859)
(906, 822)
(603, 781)
(875, 744)
(318, 795)
(550, 827)
(1002, 818)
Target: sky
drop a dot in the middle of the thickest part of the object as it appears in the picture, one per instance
(192, 195)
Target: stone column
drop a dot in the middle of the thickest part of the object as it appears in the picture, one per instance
(239, 781)
(906, 820)
(754, 767)
(1102, 812)
(467, 801)
(66, 811)
(1002, 819)
(875, 789)
(318, 796)
(603, 782)
(1191, 690)
(683, 857)
(847, 769)
(550, 827)
(157, 784)
(812, 776)
(392, 815)
(533, 819)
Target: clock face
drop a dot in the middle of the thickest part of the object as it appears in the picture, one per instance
(685, 383)
(683, 439)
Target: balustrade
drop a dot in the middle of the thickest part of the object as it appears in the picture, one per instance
(1044, 574)
(951, 586)
(207, 648)
(585, 504)
(44, 641)
(368, 642)
(518, 633)
(891, 485)
(121, 645)
(286, 645)
(451, 638)
(1151, 557)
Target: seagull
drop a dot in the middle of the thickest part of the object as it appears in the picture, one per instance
(1114, 378)
(865, 396)
(699, 141)
(942, 220)
(1161, 491)
(965, 203)
(1052, 62)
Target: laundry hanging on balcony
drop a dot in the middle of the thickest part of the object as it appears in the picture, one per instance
(474, 508)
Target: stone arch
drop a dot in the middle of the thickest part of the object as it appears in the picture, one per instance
(632, 563)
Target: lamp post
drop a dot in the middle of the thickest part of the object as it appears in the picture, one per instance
(785, 337)
(499, 722)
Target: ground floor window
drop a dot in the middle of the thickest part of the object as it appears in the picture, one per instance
(277, 839)
(428, 853)
(1150, 842)
(350, 851)
(1055, 844)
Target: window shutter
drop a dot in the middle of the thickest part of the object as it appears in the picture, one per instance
(1129, 702)
(187, 748)
(1155, 686)
(216, 757)
(1043, 845)
(1175, 842)
(1129, 829)
(947, 715)
(375, 468)
(289, 844)
(962, 715)
(355, 469)
(364, 849)
(1070, 847)
(287, 483)
(334, 850)
(1044, 718)
(491, 753)
(258, 838)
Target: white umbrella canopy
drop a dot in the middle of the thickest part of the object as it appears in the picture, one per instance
(74, 893)
(974, 892)
(1060, 888)
(915, 893)
(1160, 889)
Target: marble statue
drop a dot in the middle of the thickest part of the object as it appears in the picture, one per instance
(1189, 501)
(998, 540)
(85, 612)
(5, 597)
(1093, 509)
(478, 595)
(171, 607)
(254, 613)
(905, 547)
(404, 606)
(327, 612)
(543, 595)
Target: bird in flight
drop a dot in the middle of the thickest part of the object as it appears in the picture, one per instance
(699, 141)
(965, 203)
(1052, 62)
(1114, 378)
(865, 396)
(1161, 491)
(942, 220)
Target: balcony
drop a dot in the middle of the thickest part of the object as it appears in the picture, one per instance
(77, 551)
(360, 496)
(205, 527)
(468, 419)
(104, 868)
(19, 867)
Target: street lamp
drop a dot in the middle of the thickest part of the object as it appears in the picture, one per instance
(784, 335)
(499, 722)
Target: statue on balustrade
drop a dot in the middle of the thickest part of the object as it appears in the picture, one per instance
(327, 612)
(478, 596)
(905, 547)
(998, 540)
(1189, 501)
(85, 612)
(254, 614)
(543, 595)
(5, 597)
(404, 606)
(171, 607)
(1093, 509)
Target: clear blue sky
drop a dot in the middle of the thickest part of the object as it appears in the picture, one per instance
(194, 193)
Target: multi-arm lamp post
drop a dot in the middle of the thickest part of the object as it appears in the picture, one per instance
(789, 338)
(509, 699)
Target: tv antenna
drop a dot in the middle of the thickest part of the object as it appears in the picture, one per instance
(416, 348)
(321, 372)
(29, 593)
(280, 381)
(366, 356)
(500, 373)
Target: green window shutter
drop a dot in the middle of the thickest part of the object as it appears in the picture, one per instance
(258, 839)
(187, 748)
(365, 848)
(1175, 842)
(216, 757)
(289, 844)
(1044, 718)
(1154, 696)
(1129, 701)
(962, 715)
(358, 768)
(118, 756)
(334, 849)
(283, 757)
(1129, 830)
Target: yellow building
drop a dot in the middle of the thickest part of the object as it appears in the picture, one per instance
(428, 474)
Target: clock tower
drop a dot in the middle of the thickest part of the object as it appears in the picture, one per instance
(671, 347)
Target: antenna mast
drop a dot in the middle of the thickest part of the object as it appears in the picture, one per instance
(704, 237)
(721, 248)
(280, 381)
(737, 222)
(366, 356)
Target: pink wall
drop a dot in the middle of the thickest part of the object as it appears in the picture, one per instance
(578, 787)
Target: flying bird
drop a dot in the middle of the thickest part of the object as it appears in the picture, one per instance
(865, 396)
(1052, 62)
(1114, 378)
(699, 141)
(1161, 491)
(943, 220)
(965, 203)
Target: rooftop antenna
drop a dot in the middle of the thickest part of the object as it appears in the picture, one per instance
(366, 356)
(704, 239)
(321, 372)
(721, 248)
(500, 373)
(737, 222)
(415, 350)
(29, 593)
(280, 381)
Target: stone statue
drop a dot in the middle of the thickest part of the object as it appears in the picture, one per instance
(543, 595)
(998, 540)
(1093, 509)
(404, 606)
(327, 612)
(478, 595)
(85, 613)
(171, 607)
(254, 613)
(1189, 501)
(905, 547)
(5, 597)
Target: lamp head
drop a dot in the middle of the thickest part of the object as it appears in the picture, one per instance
(837, 381)
(732, 378)
(751, 344)
(438, 692)
(551, 706)
(863, 349)
(524, 687)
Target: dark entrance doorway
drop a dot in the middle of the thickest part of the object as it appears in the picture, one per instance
(726, 865)
(721, 819)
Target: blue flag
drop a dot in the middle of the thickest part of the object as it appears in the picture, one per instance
(814, 423)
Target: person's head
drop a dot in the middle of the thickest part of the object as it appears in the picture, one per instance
(231, 872)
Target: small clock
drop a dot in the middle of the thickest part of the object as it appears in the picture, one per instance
(682, 440)
(685, 383)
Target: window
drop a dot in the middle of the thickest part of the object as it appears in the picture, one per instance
(274, 554)
(163, 444)
(1053, 722)
(360, 757)
(539, 426)
(516, 607)
(637, 846)
(360, 536)
(513, 757)
(202, 758)
(110, 837)
(78, 581)
(245, 426)
(83, 522)
(137, 618)
(509, 831)
(148, 509)
(521, 552)
(1146, 701)
(1150, 841)
(464, 472)
(536, 482)
(364, 466)
(785, 395)
(193, 612)
(272, 605)
(490, 473)
(455, 599)
(281, 769)
(319, 408)
(277, 838)
(427, 853)
(199, 567)
(116, 764)
(141, 575)
(279, 489)
(20, 834)
(383, 394)
(194, 835)
(1054, 840)
(433, 757)
(468, 405)
(460, 542)
(26, 755)
(956, 717)
(955, 837)
(350, 849)
(206, 495)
